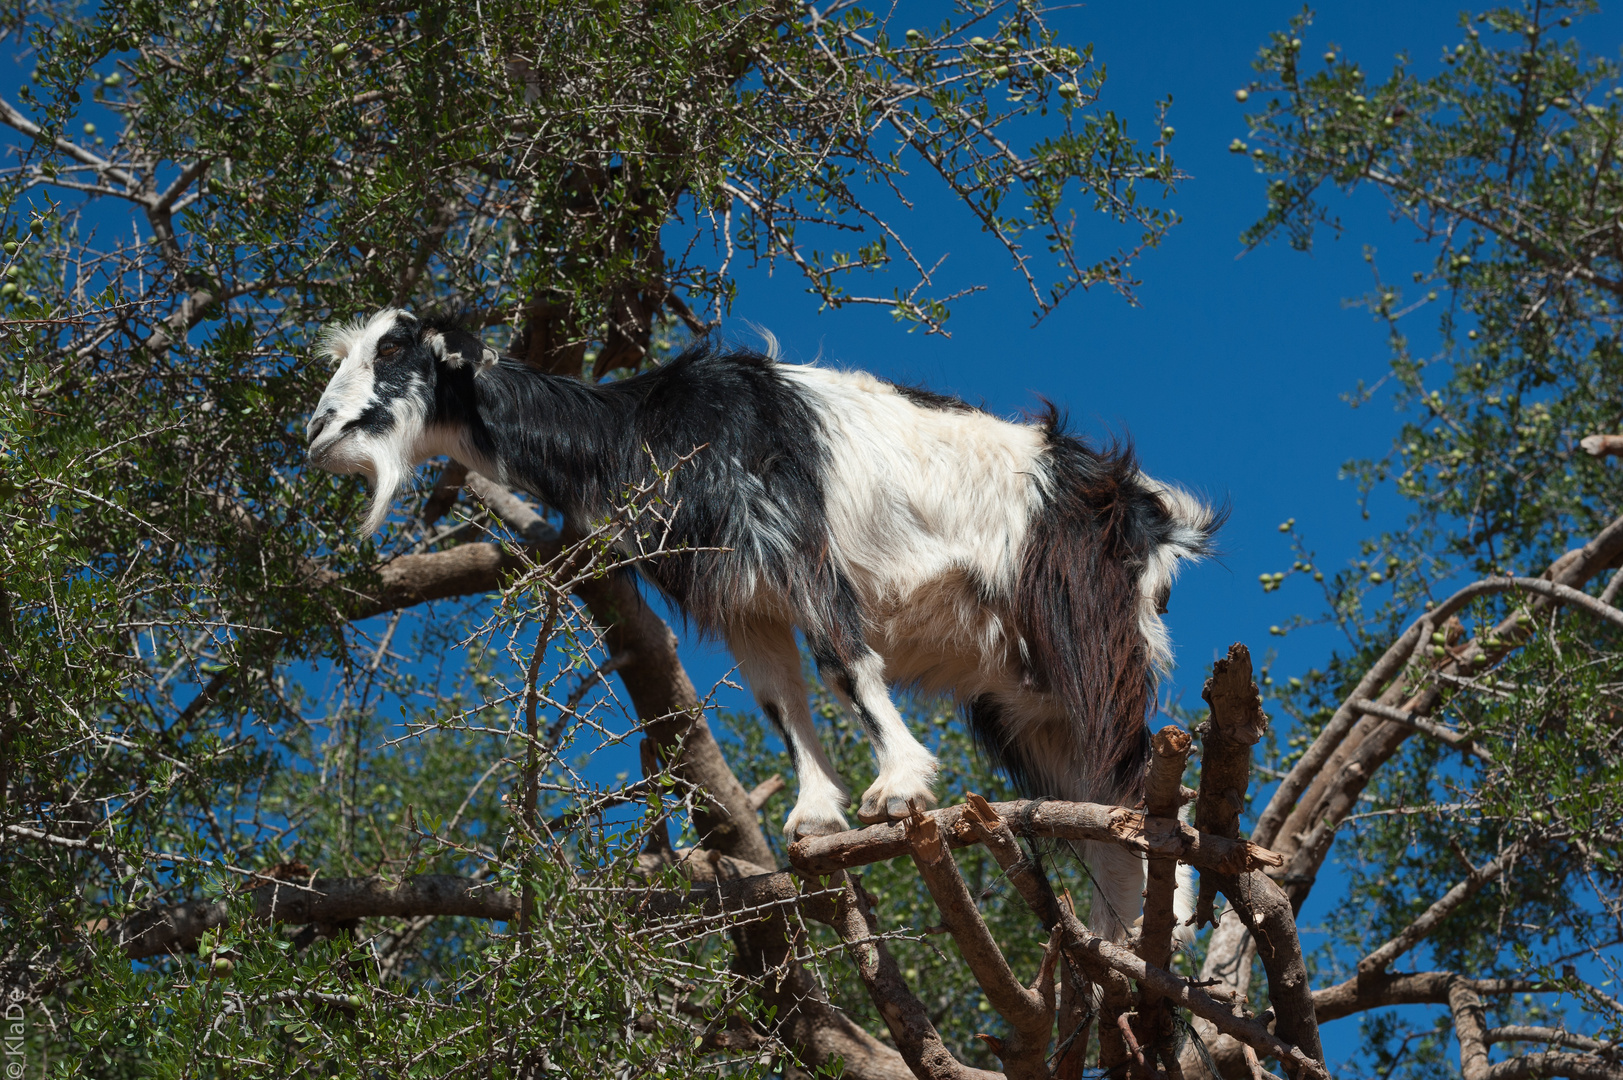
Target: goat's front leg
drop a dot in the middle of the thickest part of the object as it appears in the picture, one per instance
(906, 769)
(770, 662)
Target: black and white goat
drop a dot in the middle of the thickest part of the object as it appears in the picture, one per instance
(911, 538)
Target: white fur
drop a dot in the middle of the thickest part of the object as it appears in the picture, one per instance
(769, 660)
(388, 460)
(928, 512)
(1192, 518)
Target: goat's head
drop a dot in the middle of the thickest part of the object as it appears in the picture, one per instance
(376, 416)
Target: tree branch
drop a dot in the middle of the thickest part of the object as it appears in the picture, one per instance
(1163, 788)
(1036, 817)
(904, 1014)
(1381, 958)
(1030, 1011)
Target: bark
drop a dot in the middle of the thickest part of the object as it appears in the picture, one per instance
(1236, 724)
(1409, 988)
(408, 580)
(334, 900)
(1470, 1028)
(1267, 912)
(1029, 1011)
(1104, 962)
(904, 1014)
(175, 929)
(1163, 795)
(1067, 821)
(981, 824)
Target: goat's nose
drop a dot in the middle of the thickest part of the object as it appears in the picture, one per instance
(317, 423)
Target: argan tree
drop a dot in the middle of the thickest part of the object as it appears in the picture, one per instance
(225, 712)
(278, 798)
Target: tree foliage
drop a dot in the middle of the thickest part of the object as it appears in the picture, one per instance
(1503, 162)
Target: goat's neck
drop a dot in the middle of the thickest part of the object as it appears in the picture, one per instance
(561, 440)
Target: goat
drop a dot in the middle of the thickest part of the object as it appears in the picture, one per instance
(910, 537)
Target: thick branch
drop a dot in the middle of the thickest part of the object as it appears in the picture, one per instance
(1163, 795)
(1059, 820)
(1360, 994)
(910, 1027)
(1463, 743)
(173, 929)
(1026, 1010)
(1237, 723)
(464, 570)
(1267, 912)
(1553, 1036)
(335, 900)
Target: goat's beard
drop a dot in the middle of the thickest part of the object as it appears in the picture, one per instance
(385, 461)
(389, 474)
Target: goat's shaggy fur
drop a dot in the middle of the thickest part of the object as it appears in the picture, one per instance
(911, 538)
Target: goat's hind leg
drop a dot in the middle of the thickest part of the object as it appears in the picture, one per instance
(906, 769)
(770, 662)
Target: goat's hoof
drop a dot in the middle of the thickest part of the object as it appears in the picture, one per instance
(882, 803)
(813, 822)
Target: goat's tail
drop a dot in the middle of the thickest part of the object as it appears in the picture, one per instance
(1098, 561)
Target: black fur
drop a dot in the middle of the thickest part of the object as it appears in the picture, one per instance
(579, 447)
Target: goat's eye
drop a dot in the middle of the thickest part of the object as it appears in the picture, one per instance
(388, 350)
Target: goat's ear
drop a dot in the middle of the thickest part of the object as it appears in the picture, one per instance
(436, 344)
(466, 350)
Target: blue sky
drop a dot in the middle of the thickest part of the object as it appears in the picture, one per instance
(1229, 375)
